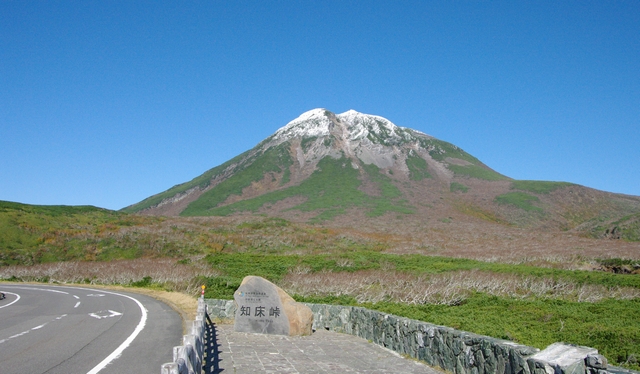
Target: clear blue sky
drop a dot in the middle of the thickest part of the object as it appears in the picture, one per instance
(106, 103)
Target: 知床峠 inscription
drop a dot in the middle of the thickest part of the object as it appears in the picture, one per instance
(260, 309)
(264, 308)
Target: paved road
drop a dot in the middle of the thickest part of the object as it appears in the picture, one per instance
(51, 329)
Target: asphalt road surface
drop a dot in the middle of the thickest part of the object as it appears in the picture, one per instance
(52, 329)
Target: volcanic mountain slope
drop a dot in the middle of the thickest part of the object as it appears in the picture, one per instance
(323, 167)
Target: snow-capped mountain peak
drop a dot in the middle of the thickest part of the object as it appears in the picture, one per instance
(312, 123)
(313, 114)
(359, 136)
(351, 125)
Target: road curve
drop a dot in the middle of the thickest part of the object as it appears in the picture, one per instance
(56, 329)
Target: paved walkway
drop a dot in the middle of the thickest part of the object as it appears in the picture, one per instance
(322, 352)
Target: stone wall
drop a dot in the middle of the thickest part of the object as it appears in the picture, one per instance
(447, 348)
(454, 351)
(221, 310)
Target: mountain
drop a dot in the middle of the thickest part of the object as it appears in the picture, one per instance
(355, 169)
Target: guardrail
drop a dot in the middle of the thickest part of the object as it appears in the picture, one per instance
(187, 358)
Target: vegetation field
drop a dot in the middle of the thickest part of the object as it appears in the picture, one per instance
(332, 189)
(540, 187)
(528, 304)
(458, 187)
(275, 160)
(519, 199)
(418, 169)
(475, 171)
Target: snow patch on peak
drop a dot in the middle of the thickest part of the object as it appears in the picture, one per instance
(317, 113)
(366, 123)
(311, 123)
(350, 113)
(353, 117)
(353, 124)
(360, 125)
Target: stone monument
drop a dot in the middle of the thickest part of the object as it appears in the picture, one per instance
(264, 308)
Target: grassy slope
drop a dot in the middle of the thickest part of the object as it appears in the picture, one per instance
(441, 150)
(458, 187)
(28, 232)
(520, 200)
(418, 169)
(201, 181)
(31, 234)
(627, 227)
(276, 159)
(331, 190)
(538, 187)
(526, 201)
(600, 217)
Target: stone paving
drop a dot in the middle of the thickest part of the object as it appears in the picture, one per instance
(322, 352)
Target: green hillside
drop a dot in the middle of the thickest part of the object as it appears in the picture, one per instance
(440, 150)
(330, 190)
(31, 234)
(276, 160)
(201, 181)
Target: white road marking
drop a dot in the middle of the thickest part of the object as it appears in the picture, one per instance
(32, 329)
(105, 314)
(96, 295)
(41, 289)
(14, 301)
(18, 335)
(118, 351)
(115, 354)
(76, 296)
(77, 304)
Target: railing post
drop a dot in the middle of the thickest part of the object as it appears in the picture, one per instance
(188, 358)
(169, 368)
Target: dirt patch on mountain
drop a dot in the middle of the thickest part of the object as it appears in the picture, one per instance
(457, 161)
